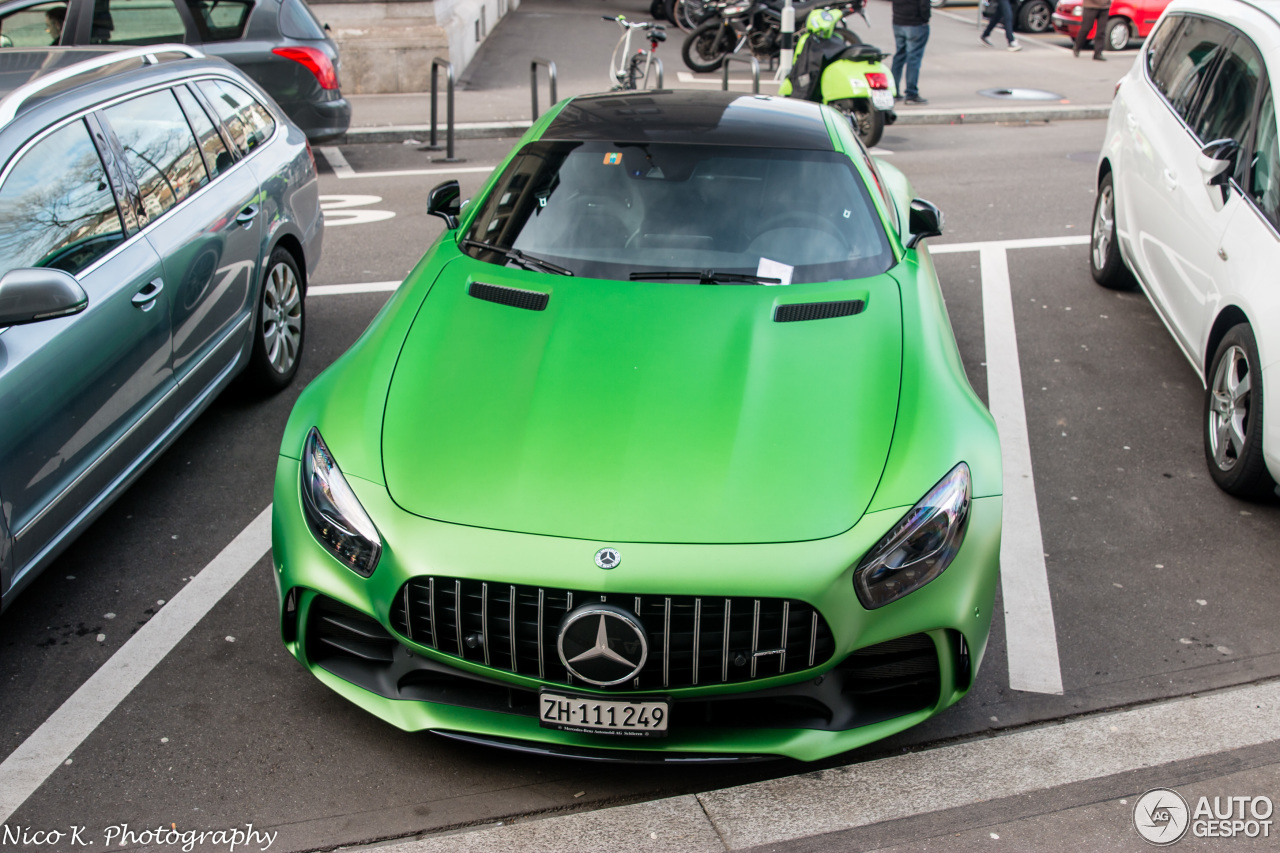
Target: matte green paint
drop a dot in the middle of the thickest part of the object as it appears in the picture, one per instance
(504, 380)
(843, 79)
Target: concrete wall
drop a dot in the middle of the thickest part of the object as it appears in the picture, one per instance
(388, 46)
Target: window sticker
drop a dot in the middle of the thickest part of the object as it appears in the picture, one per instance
(775, 269)
(613, 158)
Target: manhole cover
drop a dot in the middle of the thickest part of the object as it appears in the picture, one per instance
(1021, 95)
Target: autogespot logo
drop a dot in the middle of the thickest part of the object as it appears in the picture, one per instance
(1161, 816)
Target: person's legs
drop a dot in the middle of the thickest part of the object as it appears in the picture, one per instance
(1006, 12)
(916, 41)
(1099, 38)
(992, 21)
(900, 42)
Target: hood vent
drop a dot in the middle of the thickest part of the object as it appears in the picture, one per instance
(816, 310)
(530, 300)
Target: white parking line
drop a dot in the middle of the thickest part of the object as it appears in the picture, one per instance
(342, 169)
(44, 751)
(1031, 640)
(343, 289)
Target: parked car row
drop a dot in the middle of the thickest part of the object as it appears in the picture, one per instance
(159, 217)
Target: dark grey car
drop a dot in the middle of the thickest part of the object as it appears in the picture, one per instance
(159, 218)
(278, 43)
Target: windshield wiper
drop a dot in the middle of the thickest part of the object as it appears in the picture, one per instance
(704, 277)
(518, 257)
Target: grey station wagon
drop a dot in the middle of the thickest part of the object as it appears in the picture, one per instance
(159, 217)
(278, 43)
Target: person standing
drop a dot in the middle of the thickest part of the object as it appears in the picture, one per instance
(1092, 12)
(910, 34)
(1004, 14)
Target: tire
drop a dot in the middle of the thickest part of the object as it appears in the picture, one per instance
(706, 47)
(1035, 16)
(636, 78)
(1104, 252)
(658, 10)
(280, 329)
(1233, 412)
(1117, 33)
(867, 121)
(686, 14)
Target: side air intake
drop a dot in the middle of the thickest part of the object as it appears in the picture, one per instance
(530, 300)
(817, 310)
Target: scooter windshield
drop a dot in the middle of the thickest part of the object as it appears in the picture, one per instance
(613, 210)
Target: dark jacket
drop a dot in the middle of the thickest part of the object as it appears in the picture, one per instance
(911, 13)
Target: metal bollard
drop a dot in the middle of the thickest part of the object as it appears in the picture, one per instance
(755, 72)
(533, 82)
(434, 145)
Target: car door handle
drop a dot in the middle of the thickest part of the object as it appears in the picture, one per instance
(1170, 180)
(146, 298)
(1132, 120)
(245, 216)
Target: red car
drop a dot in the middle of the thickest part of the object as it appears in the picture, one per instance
(1126, 19)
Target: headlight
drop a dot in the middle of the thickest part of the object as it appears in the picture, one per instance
(920, 546)
(334, 515)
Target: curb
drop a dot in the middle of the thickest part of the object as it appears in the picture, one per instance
(507, 129)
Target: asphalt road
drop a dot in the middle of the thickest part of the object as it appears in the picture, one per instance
(1161, 585)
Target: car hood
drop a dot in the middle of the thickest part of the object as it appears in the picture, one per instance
(643, 412)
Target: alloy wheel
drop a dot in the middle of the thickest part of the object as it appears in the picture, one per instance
(281, 318)
(1229, 408)
(1103, 227)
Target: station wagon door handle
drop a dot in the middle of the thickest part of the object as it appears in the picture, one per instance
(245, 216)
(146, 298)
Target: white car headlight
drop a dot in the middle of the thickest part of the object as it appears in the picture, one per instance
(334, 515)
(920, 546)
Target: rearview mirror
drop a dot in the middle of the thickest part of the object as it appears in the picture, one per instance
(32, 295)
(925, 221)
(442, 201)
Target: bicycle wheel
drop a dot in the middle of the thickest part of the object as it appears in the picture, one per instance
(638, 71)
(706, 47)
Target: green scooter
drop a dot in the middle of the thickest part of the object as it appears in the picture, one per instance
(850, 77)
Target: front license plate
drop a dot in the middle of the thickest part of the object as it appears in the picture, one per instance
(882, 99)
(602, 716)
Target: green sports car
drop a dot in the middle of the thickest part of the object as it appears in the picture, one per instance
(663, 452)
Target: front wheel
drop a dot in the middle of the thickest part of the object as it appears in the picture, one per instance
(707, 46)
(1035, 16)
(867, 121)
(1105, 263)
(1118, 33)
(1233, 417)
(281, 326)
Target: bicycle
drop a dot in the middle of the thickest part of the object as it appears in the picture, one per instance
(628, 73)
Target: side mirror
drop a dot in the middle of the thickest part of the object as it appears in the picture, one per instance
(442, 201)
(1217, 161)
(32, 295)
(925, 221)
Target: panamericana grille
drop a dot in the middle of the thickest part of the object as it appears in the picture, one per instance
(692, 640)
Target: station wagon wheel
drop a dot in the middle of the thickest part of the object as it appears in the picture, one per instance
(1035, 16)
(1118, 33)
(277, 345)
(1233, 405)
(1104, 254)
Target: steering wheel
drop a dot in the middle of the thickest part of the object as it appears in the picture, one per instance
(802, 219)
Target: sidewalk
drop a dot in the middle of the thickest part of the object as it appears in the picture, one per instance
(492, 98)
(1070, 786)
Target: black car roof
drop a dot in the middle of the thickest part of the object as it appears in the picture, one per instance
(690, 116)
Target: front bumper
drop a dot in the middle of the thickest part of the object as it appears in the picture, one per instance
(883, 671)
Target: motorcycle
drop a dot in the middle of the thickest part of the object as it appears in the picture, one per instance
(757, 24)
(850, 77)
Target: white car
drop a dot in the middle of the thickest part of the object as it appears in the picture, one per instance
(1189, 204)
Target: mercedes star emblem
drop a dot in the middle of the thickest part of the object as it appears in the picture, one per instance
(602, 644)
(608, 558)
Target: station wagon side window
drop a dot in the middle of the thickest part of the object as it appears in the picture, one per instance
(136, 22)
(1226, 109)
(1263, 178)
(248, 121)
(1159, 41)
(37, 25)
(216, 156)
(1188, 62)
(160, 149)
(56, 206)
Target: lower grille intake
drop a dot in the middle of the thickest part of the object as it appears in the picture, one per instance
(692, 640)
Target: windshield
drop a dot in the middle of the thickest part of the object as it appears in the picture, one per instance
(618, 210)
